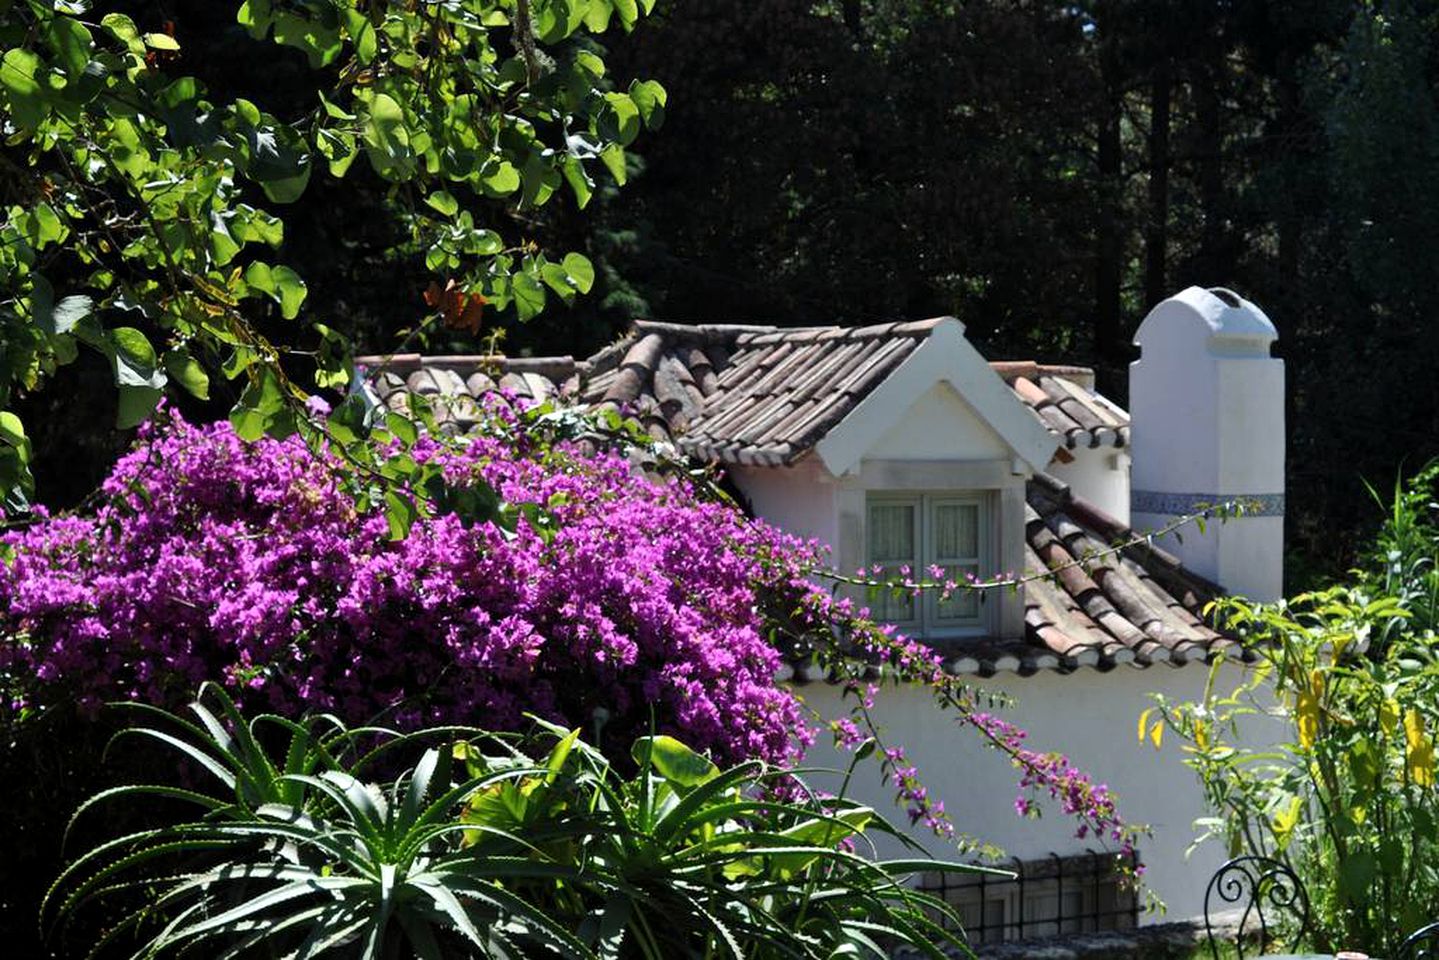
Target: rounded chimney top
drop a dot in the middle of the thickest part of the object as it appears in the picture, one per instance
(1231, 324)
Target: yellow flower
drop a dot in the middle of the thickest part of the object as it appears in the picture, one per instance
(1285, 820)
(1307, 712)
(1418, 750)
(1155, 734)
(1389, 716)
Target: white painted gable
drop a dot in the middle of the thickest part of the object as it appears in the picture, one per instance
(940, 425)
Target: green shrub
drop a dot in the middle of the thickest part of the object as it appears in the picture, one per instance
(481, 847)
(1323, 755)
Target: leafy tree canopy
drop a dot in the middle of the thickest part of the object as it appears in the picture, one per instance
(147, 223)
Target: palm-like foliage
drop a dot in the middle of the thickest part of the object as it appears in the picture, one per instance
(479, 849)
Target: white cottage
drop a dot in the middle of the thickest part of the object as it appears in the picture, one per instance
(898, 444)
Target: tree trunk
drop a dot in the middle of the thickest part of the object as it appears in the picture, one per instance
(850, 12)
(1211, 266)
(1156, 236)
(1290, 136)
(1108, 345)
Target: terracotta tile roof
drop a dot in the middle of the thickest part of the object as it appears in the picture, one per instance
(1064, 399)
(1100, 607)
(765, 396)
(740, 394)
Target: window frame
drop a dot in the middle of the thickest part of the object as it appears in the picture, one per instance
(928, 622)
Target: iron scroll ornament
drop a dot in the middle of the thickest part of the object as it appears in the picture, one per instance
(1422, 944)
(1266, 888)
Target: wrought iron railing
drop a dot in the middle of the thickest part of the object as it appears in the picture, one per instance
(1051, 896)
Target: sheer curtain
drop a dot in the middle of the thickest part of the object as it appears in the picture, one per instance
(956, 549)
(892, 544)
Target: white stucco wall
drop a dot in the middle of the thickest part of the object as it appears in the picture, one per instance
(798, 499)
(1089, 716)
(1100, 475)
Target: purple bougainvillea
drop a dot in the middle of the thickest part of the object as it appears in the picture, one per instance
(603, 598)
(613, 598)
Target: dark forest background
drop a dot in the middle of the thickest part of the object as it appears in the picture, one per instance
(1045, 171)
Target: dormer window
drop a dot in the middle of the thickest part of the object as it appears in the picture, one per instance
(949, 530)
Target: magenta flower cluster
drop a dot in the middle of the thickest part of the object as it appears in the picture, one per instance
(1052, 773)
(613, 599)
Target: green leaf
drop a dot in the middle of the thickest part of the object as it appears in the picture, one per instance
(347, 421)
(261, 277)
(124, 29)
(186, 371)
(320, 43)
(281, 283)
(254, 15)
(12, 431)
(628, 12)
(499, 177)
(290, 290)
(674, 761)
(69, 312)
(444, 202)
(161, 41)
(581, 271)
(136, 364)
(262, 226)
(613, 157)
(222, 244)
(580, 183)
(387, 138)
(362, 35)
(620, 119)
(333, 111)
(558, 280)
(136, 405)
(402, 427)
(128, 151)
(261, 407)
(590, 62)
(597, 17)
(49, 227)
(73, 44)
(400, 513)
(484, 243)
(649, 98)
(42, 301)
(17, 77)
(288, 189)
(241, 360)
(540, 180)
(1356, 875)
(529, 295)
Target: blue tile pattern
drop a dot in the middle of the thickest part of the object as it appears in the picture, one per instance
(1184, 504)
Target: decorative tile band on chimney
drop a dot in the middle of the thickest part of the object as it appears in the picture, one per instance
(1185, 504)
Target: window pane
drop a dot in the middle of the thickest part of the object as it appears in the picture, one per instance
(891, 533)
(892, 545)
(962, 604)
(956, 531)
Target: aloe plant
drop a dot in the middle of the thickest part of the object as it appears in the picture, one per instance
(482, 846)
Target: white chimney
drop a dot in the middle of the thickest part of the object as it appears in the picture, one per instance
(1206, 402)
